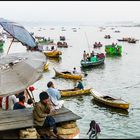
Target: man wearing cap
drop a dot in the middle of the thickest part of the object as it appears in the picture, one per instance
(42, 114)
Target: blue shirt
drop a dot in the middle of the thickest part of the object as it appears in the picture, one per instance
(80, 85)
(54, 94)
(18, 106)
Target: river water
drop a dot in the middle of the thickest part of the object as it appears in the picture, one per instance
(119, 76)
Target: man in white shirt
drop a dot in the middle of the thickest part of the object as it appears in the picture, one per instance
(54, 95)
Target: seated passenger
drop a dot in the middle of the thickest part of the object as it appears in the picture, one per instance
(79, 85)
(74, 71)
(29, 103)
(88, 57)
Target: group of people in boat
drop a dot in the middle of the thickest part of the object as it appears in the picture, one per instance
(62, 38)
(96, 45)
(107, 36)
(92, 57)
(62, 44)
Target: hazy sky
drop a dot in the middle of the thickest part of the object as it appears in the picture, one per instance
(81, 11)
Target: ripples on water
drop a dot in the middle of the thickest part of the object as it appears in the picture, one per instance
(119, 76)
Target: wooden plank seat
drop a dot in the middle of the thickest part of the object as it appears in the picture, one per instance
(23, 118)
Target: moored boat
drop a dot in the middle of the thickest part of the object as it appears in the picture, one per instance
(74, 92)
(110, 100)
(68, 75)
(54, 54)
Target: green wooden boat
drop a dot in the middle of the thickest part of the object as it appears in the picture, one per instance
(45, 42)
(113, 50)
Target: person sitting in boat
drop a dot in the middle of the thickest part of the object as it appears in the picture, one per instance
(99, 44)
(8, 102)
(79, 85)
(42, 114)
(52, 48)
(20, 104)
(29, 103)
(88, 57)
(113, 44)
(92, 54)
(85, 56)
(74, 71)
(95, 45)
(54, 95)
(23, 93)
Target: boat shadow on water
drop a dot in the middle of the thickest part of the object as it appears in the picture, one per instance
(113, 56)
(110, 109)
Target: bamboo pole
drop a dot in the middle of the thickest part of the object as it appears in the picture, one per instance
(10, 45)
(87, 42)
(31, 97)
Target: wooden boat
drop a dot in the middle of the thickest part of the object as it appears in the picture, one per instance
(122, 40)
(113, 50)
(54, 54)
(62, 45)
(109, 100)
(97, 45)
(107, 36)
(87, 63)
(62, 38)
(132, 40)
(126, 39)
(74, 92)
(68, 75)
(45, 42)
(46, 67)
(91, 64)
(117, 31)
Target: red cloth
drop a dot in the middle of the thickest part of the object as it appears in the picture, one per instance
(1, 101)
(7, 103)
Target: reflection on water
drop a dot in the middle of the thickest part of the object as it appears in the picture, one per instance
(86, 69)
(110, 109)
(55, 60)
